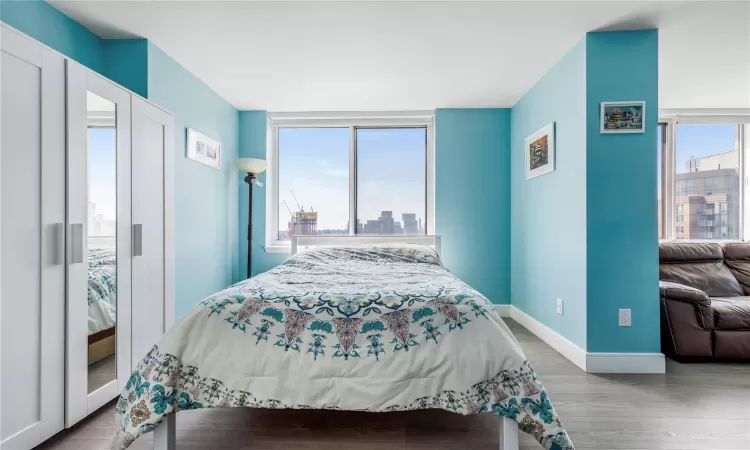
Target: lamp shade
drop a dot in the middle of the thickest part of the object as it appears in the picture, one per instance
(251, 165)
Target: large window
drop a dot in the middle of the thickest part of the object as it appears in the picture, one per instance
(349, 175)
(313, 188)
(701, 196)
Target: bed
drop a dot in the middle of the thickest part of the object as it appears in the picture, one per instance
(380, 326)
(102, 303)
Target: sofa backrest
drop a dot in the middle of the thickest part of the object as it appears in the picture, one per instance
(737, 258)
(699, 265)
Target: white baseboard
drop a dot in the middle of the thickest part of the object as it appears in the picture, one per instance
(625, 363)
(588, 362)
(503, 310)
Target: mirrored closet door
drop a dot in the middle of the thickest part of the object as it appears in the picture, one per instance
(99, 246)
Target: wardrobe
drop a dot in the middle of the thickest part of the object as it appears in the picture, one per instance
(86, 240)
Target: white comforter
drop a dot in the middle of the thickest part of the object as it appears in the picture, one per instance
(102, 290)
(371, 328)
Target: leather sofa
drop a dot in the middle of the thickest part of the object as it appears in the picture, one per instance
(704, 291)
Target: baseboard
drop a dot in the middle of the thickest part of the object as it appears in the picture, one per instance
(574, 353)
(625, 363)
(503, 310)
(588, 362)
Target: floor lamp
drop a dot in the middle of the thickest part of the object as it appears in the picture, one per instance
(251, 166)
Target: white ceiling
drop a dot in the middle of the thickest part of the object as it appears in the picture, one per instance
(365, 56)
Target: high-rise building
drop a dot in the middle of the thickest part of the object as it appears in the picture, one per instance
(411, 225)
(707, 199)
(303, 223)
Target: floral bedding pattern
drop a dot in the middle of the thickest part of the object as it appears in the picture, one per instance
(102, 289)
(377, 328)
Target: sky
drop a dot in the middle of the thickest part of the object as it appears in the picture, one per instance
(103, 171)
(697, 141)
(314, 163)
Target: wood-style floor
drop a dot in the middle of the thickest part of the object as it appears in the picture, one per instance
(697, 406)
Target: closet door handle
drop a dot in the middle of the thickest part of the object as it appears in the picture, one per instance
(138, 239)
(76, 243)
(58, 249)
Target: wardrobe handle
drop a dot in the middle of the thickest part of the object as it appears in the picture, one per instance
(76, 243)
(138, 239)
(58, 236)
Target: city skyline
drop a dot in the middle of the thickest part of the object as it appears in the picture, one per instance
(314, 165)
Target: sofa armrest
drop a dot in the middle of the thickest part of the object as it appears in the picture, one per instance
(683, 293)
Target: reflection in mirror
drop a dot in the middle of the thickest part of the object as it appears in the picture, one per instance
(102, 239)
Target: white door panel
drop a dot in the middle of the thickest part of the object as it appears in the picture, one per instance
(152, 128)
(32, 151)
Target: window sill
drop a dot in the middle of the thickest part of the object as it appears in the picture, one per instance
(278, 249)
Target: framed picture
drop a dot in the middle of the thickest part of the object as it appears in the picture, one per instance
(540, 151)
(203, 149)
(623, 117)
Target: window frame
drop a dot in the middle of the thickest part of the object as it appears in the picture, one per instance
(669, 119)
(351, 120)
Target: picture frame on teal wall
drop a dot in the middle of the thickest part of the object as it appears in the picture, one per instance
(623, 117)
(203, 149)
(540, 151)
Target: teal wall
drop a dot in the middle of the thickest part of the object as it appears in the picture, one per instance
(621, 211)
(548, 213)
(253, 131)
(206, 247)
(126, 63)
(587, 232)
(56, 30)
(472, 197)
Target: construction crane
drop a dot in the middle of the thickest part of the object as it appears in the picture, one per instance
(288, 209)
(295, 200)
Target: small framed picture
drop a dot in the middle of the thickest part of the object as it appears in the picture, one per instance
(540, 151)
(623, 117)
(203, 149)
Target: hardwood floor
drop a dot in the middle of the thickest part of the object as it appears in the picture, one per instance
(102, 372)
(697, 406)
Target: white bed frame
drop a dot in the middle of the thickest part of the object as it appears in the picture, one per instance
(165, 433)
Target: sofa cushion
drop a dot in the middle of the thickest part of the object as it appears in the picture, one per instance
(737, 258)
(698, 265)
(731, 313)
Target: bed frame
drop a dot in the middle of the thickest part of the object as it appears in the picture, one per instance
(165, 433)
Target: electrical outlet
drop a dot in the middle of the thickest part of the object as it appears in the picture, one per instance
(625, 318)
(559, 306)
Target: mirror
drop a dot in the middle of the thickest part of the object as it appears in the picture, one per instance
(102, 241)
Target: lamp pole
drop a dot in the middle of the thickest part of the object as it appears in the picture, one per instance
(249, 179)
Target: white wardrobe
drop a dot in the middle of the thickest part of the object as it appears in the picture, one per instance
(86, 250)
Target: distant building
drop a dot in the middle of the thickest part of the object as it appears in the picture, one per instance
(707, 200)
(303, 223)
(726, 160)
(411, 225)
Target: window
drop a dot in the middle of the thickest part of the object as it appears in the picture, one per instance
(346, 175)
(701, 165)
(391, 197)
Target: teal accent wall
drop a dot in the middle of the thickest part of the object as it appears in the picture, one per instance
(472, 197)
(126, 63)
(49, 26)
(548, 213)
(206, 247)
(253, 139)
(621, 247)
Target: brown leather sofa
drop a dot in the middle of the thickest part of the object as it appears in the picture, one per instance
(705, 301)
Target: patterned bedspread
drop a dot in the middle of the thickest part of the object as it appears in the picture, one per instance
(377, 328)
(102, 290)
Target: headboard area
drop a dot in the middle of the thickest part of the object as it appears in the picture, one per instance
(304, 242)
